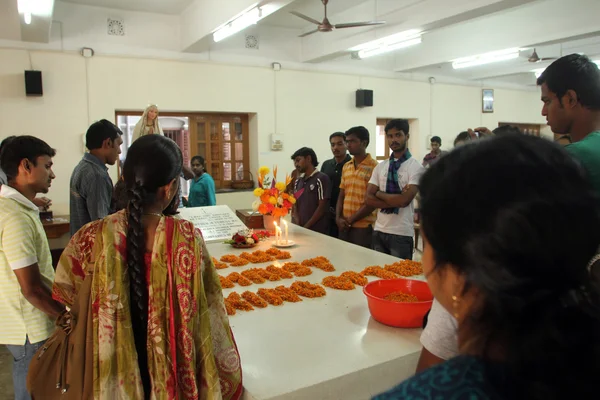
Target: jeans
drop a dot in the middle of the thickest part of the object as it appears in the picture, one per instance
(358, 236)
(394, 245)
(22, 356)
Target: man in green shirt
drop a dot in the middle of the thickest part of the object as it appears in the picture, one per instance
(571, 96)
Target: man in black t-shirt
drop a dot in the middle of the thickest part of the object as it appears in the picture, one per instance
(333, 169)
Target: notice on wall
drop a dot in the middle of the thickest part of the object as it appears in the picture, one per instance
(217, 223)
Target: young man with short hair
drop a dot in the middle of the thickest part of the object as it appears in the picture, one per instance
(436, 152)
(26, 274)
(313, 202)
(202, 188)
(392, 188)
(333, 169)
(91, 186)
(353, 216)
(43, 203)
(571, 96)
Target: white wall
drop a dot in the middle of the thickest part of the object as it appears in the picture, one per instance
(310, 105)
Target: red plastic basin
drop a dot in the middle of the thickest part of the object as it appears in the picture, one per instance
(401, 315)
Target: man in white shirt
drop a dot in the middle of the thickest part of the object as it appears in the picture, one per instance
(27, 309)
(392, 188)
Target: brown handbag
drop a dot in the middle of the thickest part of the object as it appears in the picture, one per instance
(63, 367)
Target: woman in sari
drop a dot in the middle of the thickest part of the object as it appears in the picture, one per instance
(159, 322)
(148, 124)
(507, 243)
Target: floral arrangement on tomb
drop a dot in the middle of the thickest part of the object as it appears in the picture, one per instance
(247, 237)
(272, 197)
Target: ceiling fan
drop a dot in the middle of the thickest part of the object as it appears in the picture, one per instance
(534, 58)
(326, 26)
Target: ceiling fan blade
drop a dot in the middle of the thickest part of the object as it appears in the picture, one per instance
(304, 17)
(309, 33)
(358, 24)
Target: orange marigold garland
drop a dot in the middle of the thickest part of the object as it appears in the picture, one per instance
(253, 276)
(287, 294)
(307, 289)
(218, 264)
(229, 258)
(229, 307)
(336, 282)
(240, 262)
(355, 278)
(239, 279)
(238, 303)
(379, 272)
(225, 283)
(257, 257)
(405, 268)
(282, 273)
(254, 299)
(297, 269)
(271, 296)
(279, 254)
(319, 262)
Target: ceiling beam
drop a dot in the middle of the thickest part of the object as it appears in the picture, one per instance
(203, 17)
(537, 22)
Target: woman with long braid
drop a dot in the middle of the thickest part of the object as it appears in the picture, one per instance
(158, 313)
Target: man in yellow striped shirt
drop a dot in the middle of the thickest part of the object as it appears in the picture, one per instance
(27, 309)
(353, 216)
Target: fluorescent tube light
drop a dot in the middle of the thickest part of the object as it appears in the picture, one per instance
(395, 38)
(28, 8)
(487, 58)
(242, 22)
(388, 43)
(387, 48)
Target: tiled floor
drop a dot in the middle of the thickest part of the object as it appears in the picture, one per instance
(6, 384)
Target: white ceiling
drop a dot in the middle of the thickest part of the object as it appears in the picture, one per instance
(451, 29)
(172, 7)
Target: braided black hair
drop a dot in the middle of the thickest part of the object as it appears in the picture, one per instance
(153, 161)
(138, 287)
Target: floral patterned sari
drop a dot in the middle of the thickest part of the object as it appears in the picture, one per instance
(191, 349)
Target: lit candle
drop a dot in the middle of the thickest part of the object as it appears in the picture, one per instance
(276, 233)
(286, 231)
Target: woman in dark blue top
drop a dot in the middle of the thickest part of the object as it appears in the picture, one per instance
(510, 225)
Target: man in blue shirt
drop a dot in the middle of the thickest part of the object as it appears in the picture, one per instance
(202, 188)
(91, 186)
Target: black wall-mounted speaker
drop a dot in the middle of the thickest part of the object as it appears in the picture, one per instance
(33, 83)
(364, 98)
